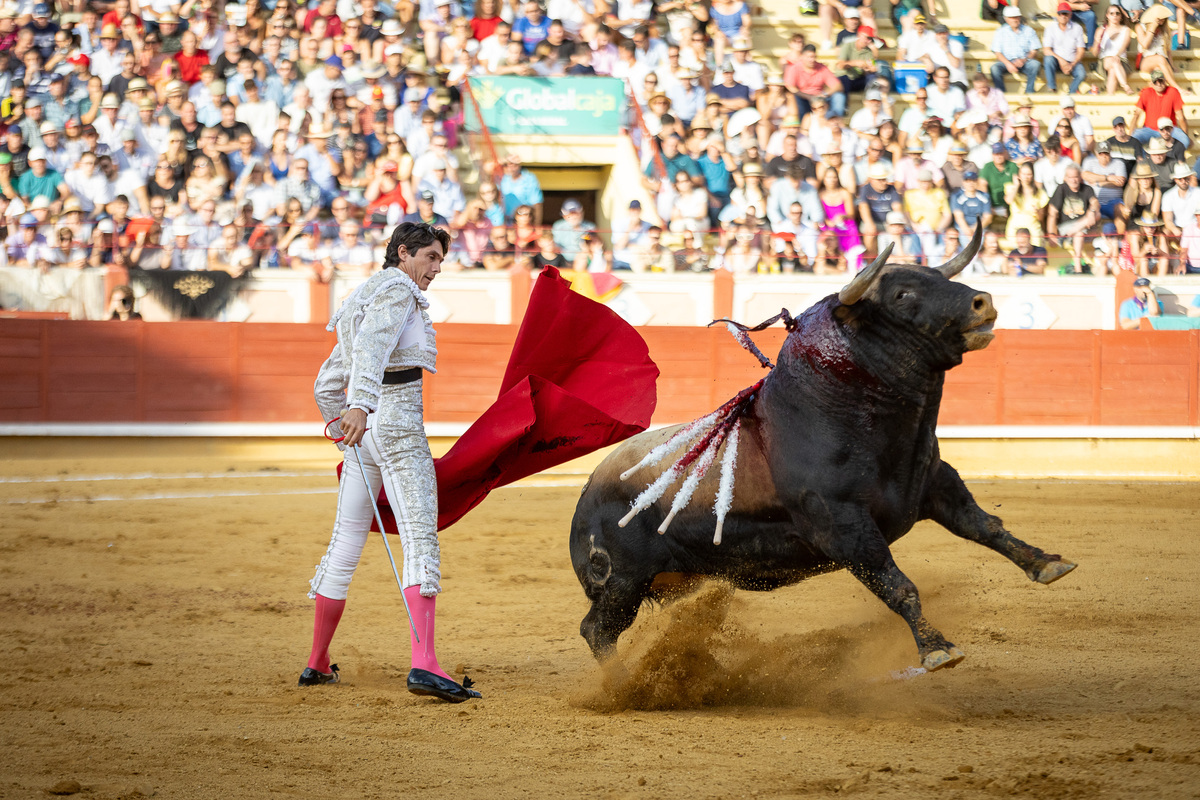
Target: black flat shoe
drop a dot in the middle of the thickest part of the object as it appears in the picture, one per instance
(424, 682)
(311, 677)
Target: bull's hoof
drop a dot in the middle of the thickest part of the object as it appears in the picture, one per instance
(942, 659)
(1050, 571)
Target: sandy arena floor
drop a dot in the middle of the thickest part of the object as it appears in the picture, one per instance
(154, 634)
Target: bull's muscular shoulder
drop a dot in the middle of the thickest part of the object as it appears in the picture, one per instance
(818, 343)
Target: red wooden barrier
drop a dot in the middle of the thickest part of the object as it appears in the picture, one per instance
(58, 371)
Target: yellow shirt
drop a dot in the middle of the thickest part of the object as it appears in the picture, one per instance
(926, 207)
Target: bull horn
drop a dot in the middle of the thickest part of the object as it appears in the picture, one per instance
(960, 261)
(854, 290)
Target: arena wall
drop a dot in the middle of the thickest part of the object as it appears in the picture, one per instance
(54, 371)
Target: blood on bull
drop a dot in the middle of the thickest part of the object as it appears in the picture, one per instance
(820, 466)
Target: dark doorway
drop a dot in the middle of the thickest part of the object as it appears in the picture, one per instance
(553, 201)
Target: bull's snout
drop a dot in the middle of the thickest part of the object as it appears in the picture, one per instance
(978, 330)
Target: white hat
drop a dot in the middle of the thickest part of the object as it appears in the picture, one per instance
(391, 28)
(1012, 11)
(39, 202)
(105, 226)
(1157, 147)
(1181, 171)
(1165, 122)
(879, 171)
(1067, 102)
(181, 229)
(37, 154)
(110, 101)
(318, 131)
(851, 13)
(393, 50)
(895, 218)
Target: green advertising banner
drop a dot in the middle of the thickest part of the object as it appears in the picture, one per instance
(547, 106)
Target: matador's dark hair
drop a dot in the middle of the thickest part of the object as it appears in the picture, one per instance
(414, 236)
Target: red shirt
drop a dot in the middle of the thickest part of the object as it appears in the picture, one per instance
(394, 197)
(333, 24)
(189, 66)
(811, 82)
(483, 28)
(1168, 104)
(111, 18)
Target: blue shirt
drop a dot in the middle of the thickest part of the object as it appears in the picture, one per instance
(783, 194)
(675, 163)
(716, 175)
(1016, 44)
(530, 33)
(524, 190)
(1136, 309)
(972, 207)
(1031, 149)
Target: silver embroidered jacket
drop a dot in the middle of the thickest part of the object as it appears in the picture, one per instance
(382, 326)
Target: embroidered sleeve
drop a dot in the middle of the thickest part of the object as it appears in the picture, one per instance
(330, 389)
(378, 333)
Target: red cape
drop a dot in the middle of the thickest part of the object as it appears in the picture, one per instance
(579, 378)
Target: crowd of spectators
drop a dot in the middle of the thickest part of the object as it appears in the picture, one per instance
(210, 136)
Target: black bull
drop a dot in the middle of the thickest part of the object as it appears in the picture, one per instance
(838, 459)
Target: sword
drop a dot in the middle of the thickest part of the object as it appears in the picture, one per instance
(382, 532)
(379, 521)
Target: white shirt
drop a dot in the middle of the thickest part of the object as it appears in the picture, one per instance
(1064, 44)
(91, 191)
(916, 45)
(262, 117)
(947, 105)
(940, 57)
(913, 120)
(637, 10)
(127, 183)
(110, 132)
(750, 75)
(1183, 207)
(141, 162)
(152, 138)
(1051, 176)
(570, 14)
(60, 160)
(1081, 126)
(320, 87)
(491, 52)
(338, 253)
(107, 65)
(866, 121)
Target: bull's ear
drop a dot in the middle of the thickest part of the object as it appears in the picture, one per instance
(854, 290)
(960, 261)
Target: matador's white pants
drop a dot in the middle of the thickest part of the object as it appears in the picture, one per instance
(395, 452)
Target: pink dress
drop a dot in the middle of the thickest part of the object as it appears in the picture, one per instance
(847, 233)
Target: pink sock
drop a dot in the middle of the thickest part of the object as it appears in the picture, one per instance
(325, 622)
(422, 608)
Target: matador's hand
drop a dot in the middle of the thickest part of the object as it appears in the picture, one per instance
(354, 425)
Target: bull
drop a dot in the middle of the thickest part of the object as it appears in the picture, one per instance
(838, 458)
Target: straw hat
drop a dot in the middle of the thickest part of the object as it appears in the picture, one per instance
(1148, 220)
(110, 31)
(1157, 147)
(1155, 14)
(1144, 170)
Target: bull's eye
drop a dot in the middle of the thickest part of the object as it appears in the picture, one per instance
(903, 294)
